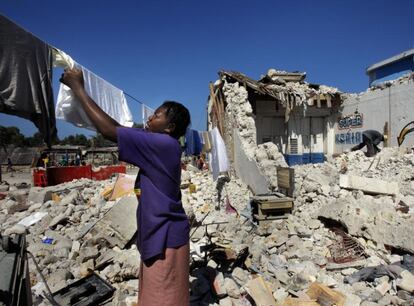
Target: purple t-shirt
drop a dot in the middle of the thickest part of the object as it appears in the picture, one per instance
(161, 219)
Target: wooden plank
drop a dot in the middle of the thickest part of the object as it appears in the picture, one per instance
(264, 219)
(215, 106)
(260, 292)
(289, 301)
(279, 205)
(328, 101)
(318, 101)
(325, 296)
(272, 200)
(285, 179)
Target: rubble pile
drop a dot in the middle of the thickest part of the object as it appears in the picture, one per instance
(60, 222)
(346, 238)
(294, 92)
(347, 242)
(288, 89)
(239, 110)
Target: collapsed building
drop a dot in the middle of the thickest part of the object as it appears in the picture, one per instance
(265, 122)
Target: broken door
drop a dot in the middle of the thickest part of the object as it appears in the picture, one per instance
(312, 139)
(272, 128)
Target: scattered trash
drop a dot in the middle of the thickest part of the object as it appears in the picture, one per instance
(47, 240)
(124, 186)
(90, 290)
(192, 188)
(32, 219)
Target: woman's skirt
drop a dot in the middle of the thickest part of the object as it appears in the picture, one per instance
(164, 280)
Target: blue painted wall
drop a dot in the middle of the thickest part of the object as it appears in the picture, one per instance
(392, 71)
(314, 158)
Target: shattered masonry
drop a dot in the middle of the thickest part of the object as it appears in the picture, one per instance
(290, 255)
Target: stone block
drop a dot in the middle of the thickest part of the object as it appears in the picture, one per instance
(406, 282)
(218, 285)
(39, 195)
(232, 288)
(118, 224)
(383, 288)
(226, 302)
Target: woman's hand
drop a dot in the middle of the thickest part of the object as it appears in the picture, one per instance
(72, 78)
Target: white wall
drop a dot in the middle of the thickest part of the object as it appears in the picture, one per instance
(394, 104)
(270, 123)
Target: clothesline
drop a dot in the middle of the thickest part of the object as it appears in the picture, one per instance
(127, 94)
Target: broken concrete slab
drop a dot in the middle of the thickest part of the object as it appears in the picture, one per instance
(368, 185)
(39, 195)
(375, 221)
(119, 223)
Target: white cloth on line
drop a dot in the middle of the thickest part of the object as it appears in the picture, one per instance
(110, 98)
(218, 155)
(146, 113)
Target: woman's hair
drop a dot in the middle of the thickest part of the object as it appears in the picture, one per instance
(179, 115)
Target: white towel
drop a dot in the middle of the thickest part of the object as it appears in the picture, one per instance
(218, 155)
(108, 97)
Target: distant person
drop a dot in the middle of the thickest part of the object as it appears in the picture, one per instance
(46, 160)
(200, 162)
(163, 226)
(77, 159)
(9, 165)
(371, 139)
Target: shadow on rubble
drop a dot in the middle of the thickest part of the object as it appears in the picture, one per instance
(205, 289)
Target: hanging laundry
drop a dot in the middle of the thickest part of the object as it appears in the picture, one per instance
(26, 78)
(218, 155)
(146, 113)
(111, 99)
(193, 142)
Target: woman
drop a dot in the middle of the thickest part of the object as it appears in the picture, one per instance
(163, 228)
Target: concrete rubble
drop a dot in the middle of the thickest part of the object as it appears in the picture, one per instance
(265, 157)
(234, 261)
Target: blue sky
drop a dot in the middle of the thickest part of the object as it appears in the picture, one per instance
(158, 50)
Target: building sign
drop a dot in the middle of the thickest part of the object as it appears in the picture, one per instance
(352, 121)
(348, 138)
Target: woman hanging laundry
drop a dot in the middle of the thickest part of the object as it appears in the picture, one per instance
(163, 227)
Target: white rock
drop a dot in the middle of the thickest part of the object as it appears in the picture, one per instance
(406, 282)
